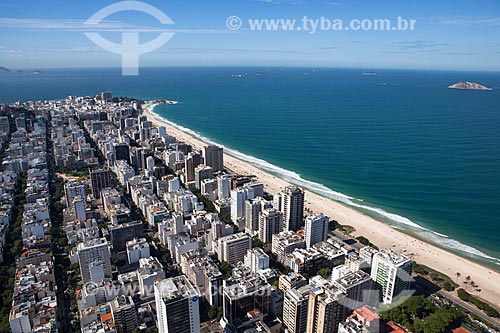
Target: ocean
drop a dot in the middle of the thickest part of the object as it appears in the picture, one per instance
(400, 146)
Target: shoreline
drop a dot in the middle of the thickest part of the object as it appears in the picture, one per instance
(379, 233)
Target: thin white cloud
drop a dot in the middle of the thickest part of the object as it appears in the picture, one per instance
(280, 2)
(227, 50)
(469, 21)
(452, 53)
(93, 49)
(418, 45)
(80, 25)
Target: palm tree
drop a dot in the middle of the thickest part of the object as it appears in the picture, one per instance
(458, 275)
(467, 280)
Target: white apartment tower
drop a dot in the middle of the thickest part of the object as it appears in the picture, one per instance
(391, 271)
(316, 229)
(256, 259)
(238, 198)
(233, 248)
(222, 187)
(91, 251)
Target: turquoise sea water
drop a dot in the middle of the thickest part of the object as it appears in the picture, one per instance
(399, 145)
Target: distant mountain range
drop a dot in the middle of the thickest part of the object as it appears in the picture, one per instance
(22, 71)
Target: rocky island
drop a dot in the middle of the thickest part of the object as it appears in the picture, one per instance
(22, 71)
(465, 85)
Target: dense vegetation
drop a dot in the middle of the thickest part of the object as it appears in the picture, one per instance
(365, 241)
(12, 250)
(347, 229)
(420, 315)
(325, 272)
(438, 278)
(465, 296)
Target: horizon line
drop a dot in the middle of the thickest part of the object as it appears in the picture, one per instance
(14, 69)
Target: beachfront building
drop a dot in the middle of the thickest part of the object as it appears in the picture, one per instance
(292, 206)
(391, 271)
(316, 229)
(214, 157)
(177, 306)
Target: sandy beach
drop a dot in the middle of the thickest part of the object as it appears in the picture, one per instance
(377, 232)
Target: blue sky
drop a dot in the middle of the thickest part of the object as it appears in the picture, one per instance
(458, 35)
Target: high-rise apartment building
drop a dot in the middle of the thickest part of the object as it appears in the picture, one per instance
(316, 229)
(190, 163)
(391, 271)
(325, 310)
(177, 306)
(99, 179)
(295, 309)
(270, 223)
(4, 124)
(72, 190)
(233, 248)
(122, 233)
(223, 187)
(292, 206)
(124, 314)
(359, 289)
(214, 157)
(90, 251)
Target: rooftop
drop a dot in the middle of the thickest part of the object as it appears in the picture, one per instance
(177, 287)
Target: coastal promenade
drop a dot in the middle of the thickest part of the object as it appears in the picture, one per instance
(377, 232)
